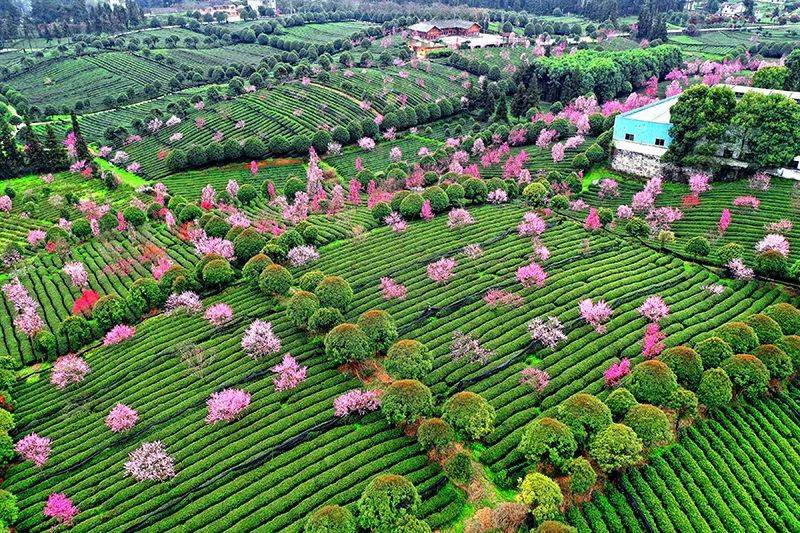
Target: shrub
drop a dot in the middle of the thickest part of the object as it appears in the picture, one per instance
(108, 221)
(582, 475)
(739, 336)
(772, 263)
(247, 193)
(778, 363)
(767, 330)
(585, 415)
(748, 374)
(334, 291)
(386, 498)
(619, 401)
(347, 342)
(729, 252)
(652, 382)
(458, 468)
(650, 424)
(247, 245)
(684, 404)
(253, 268)
(791, 345)
(595, 154)
(397, 199)
(685, 363)
(637, 227)
(330, 519)
(559, 202)
(408, 359)
(617, 447)
(438, 199)
(325, 319)
(549, 441)
(470, 414)
(109, 311)
(715, 388)
(301, 306)
(379, 327)
(534, 194)
(81, 228)
(411, 205)
(9, 510)
(542, 495)
(380, 211)
(45, 345)
(189, 212)
(293, 186)
(786, 315)
(310, 280)
(552, 526)
(6, 421)
(218, 273)
(455, 195)
(405, 401)
(275, 280)
(435, 434)
(216, 227)
(698, 247)
(134, 216)
(581, 162)
(713, 351)
(475, 190)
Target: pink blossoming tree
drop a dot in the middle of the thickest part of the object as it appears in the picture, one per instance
(150, 462)
(61, 508)
(260, 341)
(34, 448)
(288, 374)
(226, 405)
(121, 418)
(595, 314)
(69, 369)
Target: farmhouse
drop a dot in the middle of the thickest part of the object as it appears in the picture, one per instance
(442, 34)
(641, 137)
(732, 9)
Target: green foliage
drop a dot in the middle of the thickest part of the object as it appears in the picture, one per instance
(456, 195)
(406, 400)
(617, 447)
(408, 359)
(771, 77)
(6, 421)
(713, 351)
(247, 193)
(585, 415)
(748, 374)
(768, 127)
(767, 330)
(345, 343)
(698, 246)
(218, 273)
(650, 424)
(772, 263)
(438, 198)
(248, 244)
(330, 519)
(778, 363)
(542, 495)
(45, 345)
(411, 205)
(435, 433)
(6, 455)
(787, 317)
(134, 216)
(546, 440)
(109, 311)
(386, 498)
(380, 211)
(535, 193)
(334, 291)
(253, 268)
(475, 190)
(470, 414)
(685, 363)
(739, 336)
(619, 401)
(302, 305)
(791, 345)
(652, 382)
(310, 280)
(324, 319)
(275, 280)
(582, 475)
(9, 510)
(637, 227)
(380, 328)
(458, 468)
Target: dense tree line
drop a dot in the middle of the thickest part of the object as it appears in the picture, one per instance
(606, 74)
(40, 155)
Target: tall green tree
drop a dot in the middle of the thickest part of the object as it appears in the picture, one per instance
(768, 128)
(11, 159)
(700, 119)
(55, 151)
(37, 160)
(792, 63)
(80, 143)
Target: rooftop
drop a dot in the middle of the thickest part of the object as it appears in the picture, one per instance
(441, 24)
(657, 112)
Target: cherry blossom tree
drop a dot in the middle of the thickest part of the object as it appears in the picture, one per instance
(459, 218)
(535, 378)
(150, 462)
(531, 275)
(391, 289)
(595, 314)
(549, 332)
(465, 346)
(226, 405)
(654, 308)
(218, 314)
(260, 341)
(614, 373)
(592, 222)
(60, 507)
(724, 221)
(69, 369)
(356, 401)
(442, 270)
(289, 374)
(118, 333)
(652, 343)
(532, 225)
(34, 448)
(121, 418)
